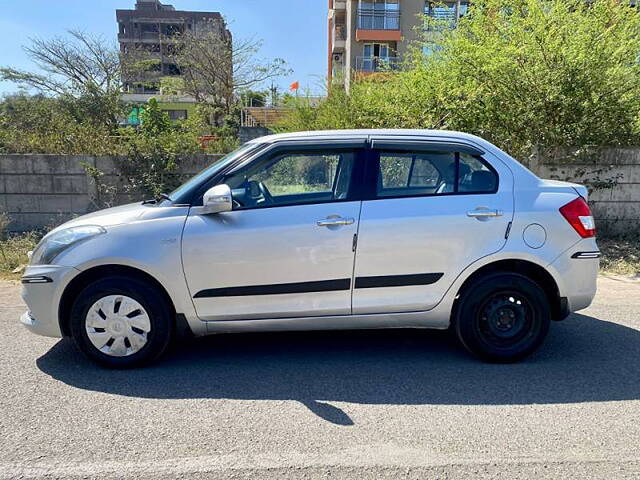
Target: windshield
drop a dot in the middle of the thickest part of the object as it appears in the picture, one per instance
(185, 188)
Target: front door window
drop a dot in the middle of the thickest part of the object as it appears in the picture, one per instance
(293, 178)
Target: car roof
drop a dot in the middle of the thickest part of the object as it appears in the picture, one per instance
(366, 133)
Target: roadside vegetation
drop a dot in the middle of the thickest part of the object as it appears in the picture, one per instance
(520, 73)
(78, 105)
(620, 256)
(13, 249)
(72, 102)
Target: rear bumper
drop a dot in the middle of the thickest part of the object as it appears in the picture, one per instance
(578, 268)
(42, 288)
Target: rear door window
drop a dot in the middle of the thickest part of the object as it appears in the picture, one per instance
(401, 174)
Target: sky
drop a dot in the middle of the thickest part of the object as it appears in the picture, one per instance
(295, 30)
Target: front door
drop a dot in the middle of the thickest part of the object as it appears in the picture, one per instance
(286, 250)
(429, 215)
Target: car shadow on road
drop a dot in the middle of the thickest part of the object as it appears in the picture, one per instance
(583, 360)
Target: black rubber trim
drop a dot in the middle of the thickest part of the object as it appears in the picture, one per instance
(562, 310)
(425, 145)
(277, 289)
(182, 328)
(398, 280)
(322, 285)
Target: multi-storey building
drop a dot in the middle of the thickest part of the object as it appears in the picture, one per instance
(368, 36)
(148, 31)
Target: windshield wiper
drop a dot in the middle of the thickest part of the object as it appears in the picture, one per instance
(164, 196)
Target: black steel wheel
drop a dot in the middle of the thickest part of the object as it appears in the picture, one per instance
(502, 317)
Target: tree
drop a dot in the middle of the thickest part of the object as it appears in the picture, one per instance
(82, 68)
(520, 73)
(155, 122)
(216, 68)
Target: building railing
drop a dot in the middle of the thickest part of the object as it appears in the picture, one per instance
(372, 19)
(377, 64)
(444, 16)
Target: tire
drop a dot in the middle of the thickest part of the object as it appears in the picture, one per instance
(502, 317)
(121, 322)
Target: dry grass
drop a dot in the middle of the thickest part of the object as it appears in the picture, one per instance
(620, 256)
(13, 252)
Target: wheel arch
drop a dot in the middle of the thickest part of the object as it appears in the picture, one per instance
(531, 270)
(80, 281)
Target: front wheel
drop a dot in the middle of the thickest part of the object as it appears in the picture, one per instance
(121, 322)
(502, 317)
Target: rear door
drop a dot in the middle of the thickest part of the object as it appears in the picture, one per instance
(430, 211)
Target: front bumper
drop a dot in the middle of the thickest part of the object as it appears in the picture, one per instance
(43, 297)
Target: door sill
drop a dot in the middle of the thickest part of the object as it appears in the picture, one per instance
(418, 319)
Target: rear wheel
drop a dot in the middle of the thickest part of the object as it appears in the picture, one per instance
(502, 317)
(121, 322)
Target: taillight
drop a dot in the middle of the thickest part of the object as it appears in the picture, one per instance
(578, 214)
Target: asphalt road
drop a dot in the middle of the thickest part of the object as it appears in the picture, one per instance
(383, 404)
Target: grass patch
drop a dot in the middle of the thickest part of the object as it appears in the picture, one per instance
(13, 252)
(620, 256)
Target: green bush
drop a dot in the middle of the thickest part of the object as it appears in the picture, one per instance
(38, 124)
(520, 73)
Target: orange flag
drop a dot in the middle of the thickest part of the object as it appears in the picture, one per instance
(294, 86)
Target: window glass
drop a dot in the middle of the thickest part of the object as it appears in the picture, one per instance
(379, 14)
(293, 178)
(475, 176)
(415, 173)
(212, 169)
(433, 173)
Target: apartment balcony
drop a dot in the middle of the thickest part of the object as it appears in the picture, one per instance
(378, 25)
(339, 38)
(377, 64)
(146, 37)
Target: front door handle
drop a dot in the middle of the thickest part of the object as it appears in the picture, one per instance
(335, 222)
(484, 212)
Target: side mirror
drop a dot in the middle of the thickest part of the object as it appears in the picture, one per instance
(217, 199)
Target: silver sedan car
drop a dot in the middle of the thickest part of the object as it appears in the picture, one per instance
(325, 230)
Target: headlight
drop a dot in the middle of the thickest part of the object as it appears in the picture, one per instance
(54, 244)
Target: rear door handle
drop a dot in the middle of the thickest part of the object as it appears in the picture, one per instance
(335, 222)
(484, 212)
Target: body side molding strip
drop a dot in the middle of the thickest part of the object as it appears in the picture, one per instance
(322, 285)
(277, 289)
(398, 280)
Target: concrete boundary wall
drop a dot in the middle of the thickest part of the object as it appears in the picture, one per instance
(613, 178)
(40, 191)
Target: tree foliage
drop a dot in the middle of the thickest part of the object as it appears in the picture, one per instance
(517, 72)
(215, 69)
(39, 124)
(80, 67)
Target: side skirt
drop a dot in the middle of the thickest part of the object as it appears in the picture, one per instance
(340, 322)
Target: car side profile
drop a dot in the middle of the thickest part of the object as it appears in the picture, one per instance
(350, 229)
